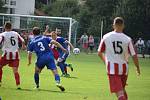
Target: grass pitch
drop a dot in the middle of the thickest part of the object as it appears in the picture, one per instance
(88, 81)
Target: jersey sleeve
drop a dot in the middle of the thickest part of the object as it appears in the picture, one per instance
(20, 39)
(48, 39)
(1, 38)
(131, 48)
(30, 47)
(102, 46)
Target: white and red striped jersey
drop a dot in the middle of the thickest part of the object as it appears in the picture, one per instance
(116, 47)
(10, 44)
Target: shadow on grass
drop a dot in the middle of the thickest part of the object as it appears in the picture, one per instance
(71, 77)
(40, 90)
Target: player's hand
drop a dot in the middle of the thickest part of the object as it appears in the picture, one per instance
(65, 51)
(47, 27)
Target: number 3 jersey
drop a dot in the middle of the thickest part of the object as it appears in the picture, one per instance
(10, 41)
(116, 47)
(40, 44)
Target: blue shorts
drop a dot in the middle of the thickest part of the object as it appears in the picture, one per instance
(62, 57)
(47, 60)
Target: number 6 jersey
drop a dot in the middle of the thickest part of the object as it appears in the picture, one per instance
(9, 41)
(116, 47)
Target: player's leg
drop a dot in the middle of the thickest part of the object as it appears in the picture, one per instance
(116, 86)
(36, 76)
(17, 77)
(15, 64)
(39, 65)
(3, 62)
(61, 65)
(1, 73)
(51, 65)
(120, 95)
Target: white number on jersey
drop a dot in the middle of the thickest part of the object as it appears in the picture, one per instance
(40, 44)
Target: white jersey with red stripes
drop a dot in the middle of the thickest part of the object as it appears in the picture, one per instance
(10, 44)
(116, 47)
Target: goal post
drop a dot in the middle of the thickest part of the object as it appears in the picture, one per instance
(67, 25)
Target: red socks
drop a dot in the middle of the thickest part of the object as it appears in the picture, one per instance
(126, 96)
(17, 78)
(122, 98)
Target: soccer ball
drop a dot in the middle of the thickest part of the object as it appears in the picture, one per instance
(76, 51)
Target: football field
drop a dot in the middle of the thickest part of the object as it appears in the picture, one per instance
(88, 81)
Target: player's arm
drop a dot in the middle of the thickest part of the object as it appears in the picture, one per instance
(29, 57)
(101, 50)
(70, 44)
(46, 30)
(134, 57)
(1, 39)
(21, 40)
(58, 45)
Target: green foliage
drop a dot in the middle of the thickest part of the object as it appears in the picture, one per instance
(89, 15)
(63, 8)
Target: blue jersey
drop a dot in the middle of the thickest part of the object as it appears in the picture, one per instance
(40, 45)
(63, 42)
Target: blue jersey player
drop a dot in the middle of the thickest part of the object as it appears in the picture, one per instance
(40, 45)
(62, 56)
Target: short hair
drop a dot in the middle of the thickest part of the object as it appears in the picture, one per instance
(8, 25)
(118, 21)
(36, 31)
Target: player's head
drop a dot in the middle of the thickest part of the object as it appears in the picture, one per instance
(58, 31)
(36, 31)
(53, 35)
(118, 23)
(8, 26)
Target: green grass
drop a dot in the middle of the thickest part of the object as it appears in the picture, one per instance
(89, 81)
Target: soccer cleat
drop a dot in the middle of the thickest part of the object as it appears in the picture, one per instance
(18, 87)
(67, 75)
(63, 75)
(70, 66)
(36, 88)
(60, 87)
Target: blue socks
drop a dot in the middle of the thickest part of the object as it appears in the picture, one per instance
(36, 78)
(57, 78)
(61, 65)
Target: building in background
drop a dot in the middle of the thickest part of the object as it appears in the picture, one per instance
(24, 7)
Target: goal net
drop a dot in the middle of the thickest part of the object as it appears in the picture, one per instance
(66, 25)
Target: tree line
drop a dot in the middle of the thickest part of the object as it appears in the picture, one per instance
(90, 13)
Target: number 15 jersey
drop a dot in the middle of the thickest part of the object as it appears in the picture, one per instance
(116, 47)
(10, 41)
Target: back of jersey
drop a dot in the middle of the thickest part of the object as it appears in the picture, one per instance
(10, 46)
(10, 41)
(40, 44)
(116, 47)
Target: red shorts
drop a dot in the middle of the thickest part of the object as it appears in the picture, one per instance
(56, 53)
(117, 82)
(11, 63)
(85, 45)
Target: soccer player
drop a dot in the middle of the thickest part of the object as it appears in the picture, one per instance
(58, 53)
(116, 45)
(9, 40)
(40, 44)
(62, 56)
